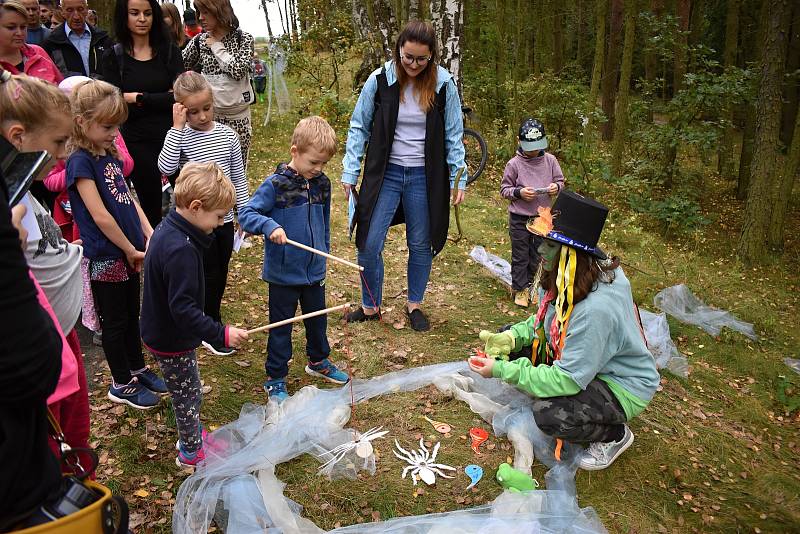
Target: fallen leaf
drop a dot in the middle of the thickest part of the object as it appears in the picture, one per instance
(142, 493)
(242, 363)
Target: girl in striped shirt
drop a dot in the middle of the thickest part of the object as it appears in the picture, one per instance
(196, 137)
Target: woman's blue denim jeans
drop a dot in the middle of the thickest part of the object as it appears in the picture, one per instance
(410, 185)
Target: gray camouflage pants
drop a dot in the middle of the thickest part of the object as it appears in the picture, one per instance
(591, 415)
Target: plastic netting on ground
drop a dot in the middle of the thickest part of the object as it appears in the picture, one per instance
(496, 265)
(663, 349)
(238, 489)
(681, 303)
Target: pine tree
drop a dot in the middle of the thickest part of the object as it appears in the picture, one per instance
(621, 113)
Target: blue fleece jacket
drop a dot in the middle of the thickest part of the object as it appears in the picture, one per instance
(303, 209)
(172, 319)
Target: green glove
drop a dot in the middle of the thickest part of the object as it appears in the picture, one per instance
(515, 481)
(498, 345)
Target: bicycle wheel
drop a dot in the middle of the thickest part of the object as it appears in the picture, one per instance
(476, 154)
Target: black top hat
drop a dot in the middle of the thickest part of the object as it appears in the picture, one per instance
(574, 220)
(189, 17)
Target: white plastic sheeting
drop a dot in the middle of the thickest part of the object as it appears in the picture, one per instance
(496, 265)
(276, 82)
(681, 303)
(238, 489)
(656, 332)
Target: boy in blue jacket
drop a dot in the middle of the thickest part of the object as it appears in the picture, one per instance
(295, 203)
(172, 321)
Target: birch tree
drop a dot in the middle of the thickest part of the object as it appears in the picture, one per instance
(376, 24)
(448, 21)
(266, 16)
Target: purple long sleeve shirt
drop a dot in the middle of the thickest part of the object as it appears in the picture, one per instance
(538, 172)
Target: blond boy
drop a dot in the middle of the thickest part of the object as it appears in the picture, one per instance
(172, 321)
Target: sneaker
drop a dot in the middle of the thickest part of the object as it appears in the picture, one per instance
(219, 351)
(149, 379)
(276, 390)
(326, 370)
(203, 436)
(418, 320)
(521, 298)
(600, 455)
(358, 316)
(183, 460)
(133, 394)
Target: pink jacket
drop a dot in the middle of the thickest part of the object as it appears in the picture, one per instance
(68, 381)
(56, 179)
(37, 64)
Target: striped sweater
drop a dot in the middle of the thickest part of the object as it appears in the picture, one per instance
(220, 145)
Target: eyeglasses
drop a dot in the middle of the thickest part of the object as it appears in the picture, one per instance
(408, 59)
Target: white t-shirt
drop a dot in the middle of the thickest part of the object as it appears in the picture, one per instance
(56, 265)
(408, 148)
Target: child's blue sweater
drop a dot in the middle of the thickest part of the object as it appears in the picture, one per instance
(303, 209)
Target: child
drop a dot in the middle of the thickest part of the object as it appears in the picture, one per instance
(591, 371)
(34, 115)
(295, 203)
(531, 177)
(259, 77)
(195, 137)
(173, 322)
(114, 231)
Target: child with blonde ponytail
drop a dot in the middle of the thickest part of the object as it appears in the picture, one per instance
(115, 231)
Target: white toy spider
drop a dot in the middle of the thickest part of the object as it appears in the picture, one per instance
(421, 463)
(362, 446)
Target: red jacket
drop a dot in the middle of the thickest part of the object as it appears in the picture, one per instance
(36, 64)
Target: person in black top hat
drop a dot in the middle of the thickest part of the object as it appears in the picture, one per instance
(587, 364)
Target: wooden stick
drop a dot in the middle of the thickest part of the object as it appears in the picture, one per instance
(325, 254)
(298, 318)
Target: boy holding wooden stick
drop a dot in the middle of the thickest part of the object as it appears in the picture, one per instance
(295, 203)
(172, 322)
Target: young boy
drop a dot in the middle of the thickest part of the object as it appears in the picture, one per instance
(295, 203)
(530, 179)
(172, 321)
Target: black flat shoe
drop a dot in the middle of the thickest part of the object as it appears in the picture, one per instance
(359, 316)
(418, 320)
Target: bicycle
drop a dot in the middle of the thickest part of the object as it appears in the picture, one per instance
(476, 151)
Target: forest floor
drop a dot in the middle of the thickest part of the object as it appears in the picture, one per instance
(718, 451)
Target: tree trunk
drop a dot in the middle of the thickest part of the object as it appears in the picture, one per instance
(682, 12)
(558, 35)
(293, 13)
(375, 23)
(266, 16)
(105, 14)
(764, 176)
(580, 37)
(650, 57)
(725, 160)
(448, 21)
(280, 14)
(601, 7)
(791, 89)
(611, 70)
(785, 186)
(621, 114)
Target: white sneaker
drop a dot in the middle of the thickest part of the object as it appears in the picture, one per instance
(600, 455)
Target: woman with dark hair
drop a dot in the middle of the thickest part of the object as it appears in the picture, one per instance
(172, 19)
(583, 355)
(414, 156)
(223, 54)
(144, 65)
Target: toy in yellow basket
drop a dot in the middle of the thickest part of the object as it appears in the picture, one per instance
(590, 370)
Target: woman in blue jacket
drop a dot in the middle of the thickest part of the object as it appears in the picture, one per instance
(409, 113)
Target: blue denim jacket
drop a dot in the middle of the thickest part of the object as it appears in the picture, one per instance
(361, 124)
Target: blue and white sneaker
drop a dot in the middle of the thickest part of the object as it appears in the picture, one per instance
(133, 394)
(327, 371)
(276, 390)
(149, 379)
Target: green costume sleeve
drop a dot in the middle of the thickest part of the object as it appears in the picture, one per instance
(524, 333)
(541, 381)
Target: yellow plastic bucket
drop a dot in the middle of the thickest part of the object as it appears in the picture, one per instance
(88, 520)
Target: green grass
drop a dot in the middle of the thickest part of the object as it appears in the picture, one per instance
(715, 452)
